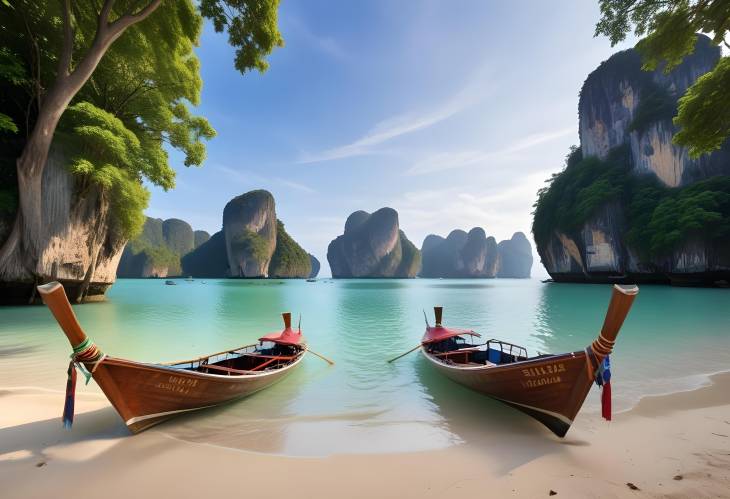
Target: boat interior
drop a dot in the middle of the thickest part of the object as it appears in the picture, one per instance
(459, 350)
(245, 361)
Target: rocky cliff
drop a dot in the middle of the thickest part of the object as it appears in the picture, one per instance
(373, 246)
(631, 205)
(475, 255)
(80, 243)
(289, 259)
(515, 257)
(157, 251)
(246, 240)
(315, 266)
(459, 255)
(249, 226)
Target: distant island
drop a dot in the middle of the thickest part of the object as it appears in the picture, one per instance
(252, 244)
(373, 246)
(475, 255)
(631, 205)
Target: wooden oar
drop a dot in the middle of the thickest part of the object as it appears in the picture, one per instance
(404, 354)
(330, 362)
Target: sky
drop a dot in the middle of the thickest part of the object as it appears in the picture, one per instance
(452, 113)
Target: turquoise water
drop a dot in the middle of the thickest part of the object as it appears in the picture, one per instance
(672, 338)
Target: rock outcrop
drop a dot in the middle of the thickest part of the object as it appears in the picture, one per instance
(157, 251)
(315, 266)
(289, 259)
(625, 225)
(79, 244)
(474, 255)
(246, 240)
(200, 237)
(373, 246)
(460, 255)
(515, 257)
(209, 259)
(249, 226)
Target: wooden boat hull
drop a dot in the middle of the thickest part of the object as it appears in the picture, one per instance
(148, 394)
(550, 389)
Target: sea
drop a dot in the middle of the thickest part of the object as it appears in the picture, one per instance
(671, 341)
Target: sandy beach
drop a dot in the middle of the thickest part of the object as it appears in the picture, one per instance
(675, 445)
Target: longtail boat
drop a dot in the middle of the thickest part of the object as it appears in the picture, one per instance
(550, 388)
(147, 394)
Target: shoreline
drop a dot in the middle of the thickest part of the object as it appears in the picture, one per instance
(684, 434)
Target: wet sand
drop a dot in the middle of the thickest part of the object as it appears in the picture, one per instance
(675, 445)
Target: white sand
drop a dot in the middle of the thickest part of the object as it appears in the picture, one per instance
(683, 435)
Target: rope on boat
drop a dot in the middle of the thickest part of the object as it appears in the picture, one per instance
(83, 354)
(599, 369)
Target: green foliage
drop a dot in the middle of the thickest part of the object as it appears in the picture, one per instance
(669, 29)
(575, 194)
(659, 219)
(701, 211)
(289, 259)
(410, 258)
(138, 100)
(252, 28)
(251, 243)
(704, 111)
(7, 124)
(655, 104)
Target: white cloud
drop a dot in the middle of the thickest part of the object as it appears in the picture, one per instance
(450, 160)
(402, 124)
(249, 178)
(322, 43)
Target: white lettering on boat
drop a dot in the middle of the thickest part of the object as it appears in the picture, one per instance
(534, 383)
(177, 384)
(533, 372)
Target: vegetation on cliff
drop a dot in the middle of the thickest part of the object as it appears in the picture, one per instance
(659, 219)
(111, 84)
(289, 259)
(669, 29)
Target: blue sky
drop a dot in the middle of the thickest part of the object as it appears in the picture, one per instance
(451, 112)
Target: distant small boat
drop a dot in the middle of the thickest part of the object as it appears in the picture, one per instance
(545, 281)
(147, 394)
(550, 388)
(189, 278)
(311, 280)
(171, 283)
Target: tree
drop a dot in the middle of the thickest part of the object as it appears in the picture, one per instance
(669, 28)
(127, 70)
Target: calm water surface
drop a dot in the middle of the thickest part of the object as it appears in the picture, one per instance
(672, 338)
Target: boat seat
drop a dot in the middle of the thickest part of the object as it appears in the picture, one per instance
(229, 370)
(494, 356)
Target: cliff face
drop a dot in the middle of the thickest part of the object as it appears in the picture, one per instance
(157, 251)
(209, 259)
(460, 255)
(515, 257)
(251, 242)
(289, 259)
(80, 245)
(635, 233)
(475, 255)
(249, 226)
(200, 237)
(373, 246)
(622, 105)
(315, 266)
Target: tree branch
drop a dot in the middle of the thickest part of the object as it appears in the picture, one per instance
(64, 61)
(129, 19)
(104, 15)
